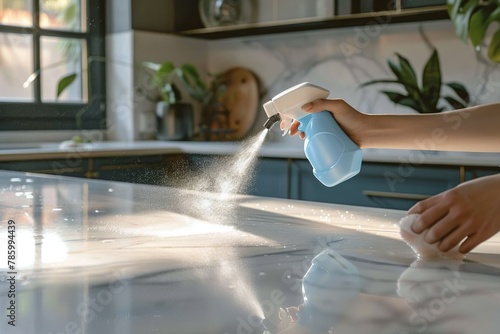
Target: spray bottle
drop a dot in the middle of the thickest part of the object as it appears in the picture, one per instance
(334, 157)
(329, 288)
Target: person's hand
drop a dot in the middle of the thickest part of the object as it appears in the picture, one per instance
(470, 210)
(293, 311)
(349, 119)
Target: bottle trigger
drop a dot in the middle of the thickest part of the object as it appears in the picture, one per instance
(287, 122)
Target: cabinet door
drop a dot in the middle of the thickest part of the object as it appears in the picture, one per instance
(475, 172)
(270, 178)
(305, 186)
(392, 186)
(71, 166)
(189, 170)
(139, 169)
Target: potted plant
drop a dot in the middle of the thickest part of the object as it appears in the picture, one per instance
(166, 77)
(175, 117)
(472, 18)
(424, 97)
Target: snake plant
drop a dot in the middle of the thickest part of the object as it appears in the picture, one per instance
(423, 97)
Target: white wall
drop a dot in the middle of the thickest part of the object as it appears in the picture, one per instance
(119, 84)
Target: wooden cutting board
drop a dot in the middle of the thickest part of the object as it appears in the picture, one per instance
(241, 99)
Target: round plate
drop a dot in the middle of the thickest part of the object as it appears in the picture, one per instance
(215, 13)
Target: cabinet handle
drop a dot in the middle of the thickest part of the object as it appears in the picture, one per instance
(386, 194)
(91, 174)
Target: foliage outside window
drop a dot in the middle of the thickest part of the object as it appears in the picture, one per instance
(41, 42)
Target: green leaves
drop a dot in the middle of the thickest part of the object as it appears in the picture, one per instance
(460, 90)
(165, 70)
(431, 81)
(460, 14)
(454, 102)
(193, 82)
(64, 83)
(406, 76)
(403, 100)
(480, 21)
(472, 19)
(494, 49)
(426, 98)
(165, 75)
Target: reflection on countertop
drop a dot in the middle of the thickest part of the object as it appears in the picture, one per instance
(36, 151)
(110, 257)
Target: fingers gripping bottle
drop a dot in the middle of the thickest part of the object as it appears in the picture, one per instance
(334, 157)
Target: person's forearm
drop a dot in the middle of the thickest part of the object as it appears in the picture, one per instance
(474, 129)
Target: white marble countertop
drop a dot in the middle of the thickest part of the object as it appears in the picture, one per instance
(36, 151)
(110, 257)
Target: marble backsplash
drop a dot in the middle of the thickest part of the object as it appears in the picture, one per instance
(342, 59)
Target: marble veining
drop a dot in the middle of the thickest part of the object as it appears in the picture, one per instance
(111, 257)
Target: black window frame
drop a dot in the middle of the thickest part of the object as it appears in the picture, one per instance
(38, 115)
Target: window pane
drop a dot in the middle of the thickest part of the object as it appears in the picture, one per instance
(16, 12)
(60, 58)
(16, 66)
(62, 14)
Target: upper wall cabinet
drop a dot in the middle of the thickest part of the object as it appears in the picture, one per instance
(216, 19)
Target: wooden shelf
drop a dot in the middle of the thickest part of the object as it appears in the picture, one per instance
(286, 26)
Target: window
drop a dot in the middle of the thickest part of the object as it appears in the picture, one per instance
(46, 46)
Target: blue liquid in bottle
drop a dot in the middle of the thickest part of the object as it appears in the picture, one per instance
(334, 157)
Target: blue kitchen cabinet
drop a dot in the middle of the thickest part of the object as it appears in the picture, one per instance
(471, 173)
(189, 168)
(71, 166)
(200, 163)
(270, 178)
(149, 169)
(384, 185)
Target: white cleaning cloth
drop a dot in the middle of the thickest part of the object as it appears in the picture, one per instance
(423, 249)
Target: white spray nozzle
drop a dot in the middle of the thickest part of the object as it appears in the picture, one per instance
(270, 109)
(289, 102)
